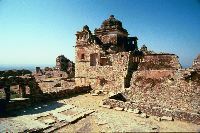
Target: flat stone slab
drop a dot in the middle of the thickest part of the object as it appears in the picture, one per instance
(63, 108)
(44, 121)
(21, 124)
(118, 108)
(49, 121)
(61, 117)
(166, 118)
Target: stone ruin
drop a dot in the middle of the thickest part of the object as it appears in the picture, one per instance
(109, 61)
(196, 64)
(64, 68)
(58, 78)
(102, 58)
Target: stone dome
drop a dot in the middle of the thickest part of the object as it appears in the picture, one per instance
(111, 22)
(111, 25)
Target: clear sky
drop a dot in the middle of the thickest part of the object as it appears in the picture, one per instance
(37, 31)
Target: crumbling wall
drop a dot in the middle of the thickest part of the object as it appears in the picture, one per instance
(154, 109)
(196, 63)
(168, 89)
(106, 76)
(159, 62)
(163, 90)
(55, 85)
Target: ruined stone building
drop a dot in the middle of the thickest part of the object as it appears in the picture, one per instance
(64, 64)
(106, 59)
(110, 61)
(196, 63)
(64, 68)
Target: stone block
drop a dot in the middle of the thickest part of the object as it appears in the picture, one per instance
(130, 110)
(49, 121)
(136, 111)
(167, 118)
(157, 118)
(118, 108)
(143, 115)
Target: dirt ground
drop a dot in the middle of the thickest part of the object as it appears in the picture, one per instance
(110, 120)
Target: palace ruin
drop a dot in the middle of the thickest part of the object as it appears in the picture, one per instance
(109, 61)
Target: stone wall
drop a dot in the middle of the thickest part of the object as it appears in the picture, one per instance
(154, 109)
(163, 91)
(196, 63)
(175, 92)
(170, 89)
(104, 75)
(102, 58)
(60, 93)
(159, 62)
(55, 84)
(19, 103)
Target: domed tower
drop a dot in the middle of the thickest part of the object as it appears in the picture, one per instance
(111, 32)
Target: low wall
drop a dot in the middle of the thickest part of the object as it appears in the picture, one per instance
(25, 102)
(152, 109)
(53, 95)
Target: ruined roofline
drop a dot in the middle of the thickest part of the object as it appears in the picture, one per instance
(159, 54)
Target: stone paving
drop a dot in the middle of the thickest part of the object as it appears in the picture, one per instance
(76, 114)
(40, 118)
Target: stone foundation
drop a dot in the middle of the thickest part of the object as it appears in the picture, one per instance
(153, 109)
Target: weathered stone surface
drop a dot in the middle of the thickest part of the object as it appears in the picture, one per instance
(155, 110)
(119, 109)
(167, 118)
(196, 63)
(130, 110)
(94, 94)
(157, 118)
(102, 59)
(136, 111)
(143, 115)
(159, 62)
(49, 121)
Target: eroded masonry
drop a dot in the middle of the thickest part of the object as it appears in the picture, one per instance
(102, 59)
(110, 61)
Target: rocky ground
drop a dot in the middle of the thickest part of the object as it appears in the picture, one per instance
(83, 114)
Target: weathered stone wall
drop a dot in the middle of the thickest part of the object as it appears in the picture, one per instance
(55, 85)
(102, 58)
(107, 77)
(154, 109)
(159, 62)
(61, 93)
(196, 63)
(16, 104)
(168, 89)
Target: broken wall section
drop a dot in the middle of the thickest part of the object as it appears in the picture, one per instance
(159, 62)
(166, 88)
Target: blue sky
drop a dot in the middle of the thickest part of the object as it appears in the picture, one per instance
(35, 32)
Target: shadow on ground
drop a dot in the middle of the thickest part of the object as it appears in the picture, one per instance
(35, 108)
